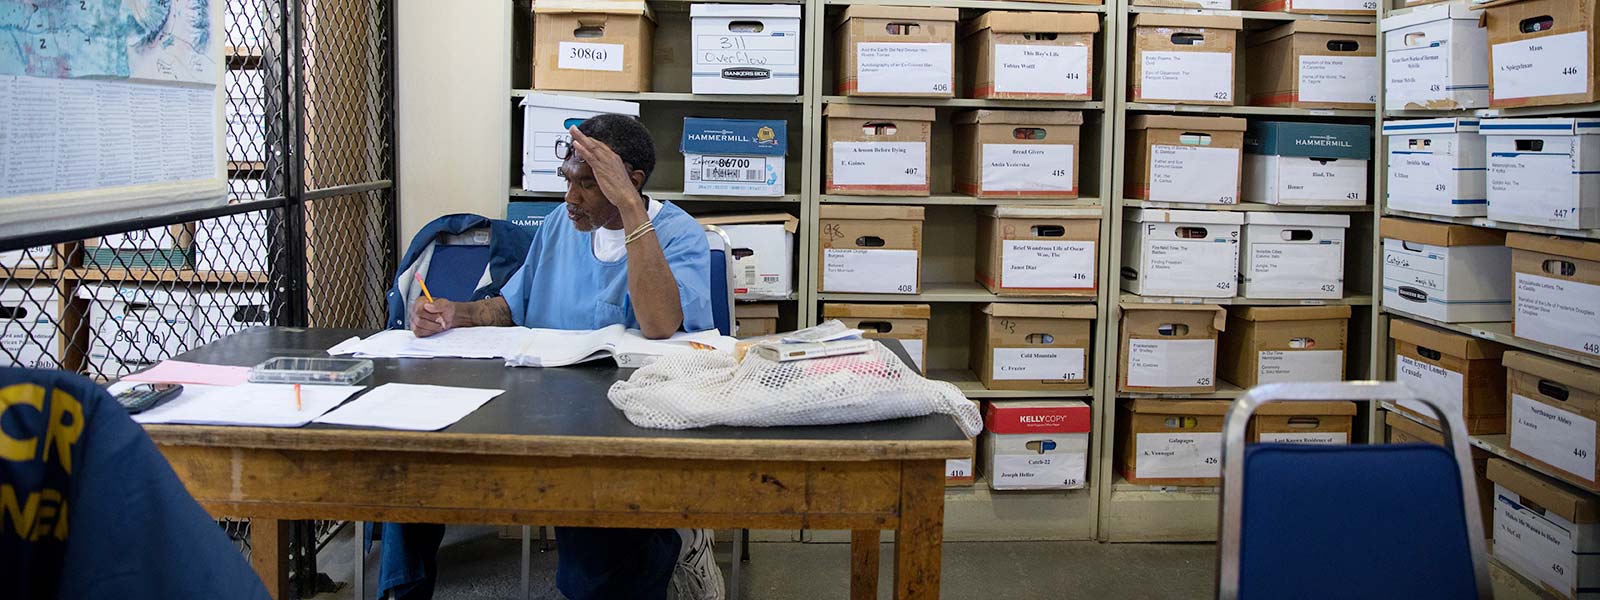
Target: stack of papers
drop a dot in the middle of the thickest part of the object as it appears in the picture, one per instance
(410, 407)
(177, 371)
(249, 404)
(525, 347)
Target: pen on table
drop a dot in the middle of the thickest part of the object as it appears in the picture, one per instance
(297, 397)
(425, 293)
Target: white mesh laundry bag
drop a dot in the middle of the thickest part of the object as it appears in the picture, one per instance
(689, 389)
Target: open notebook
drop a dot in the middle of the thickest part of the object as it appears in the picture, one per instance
(524, 347)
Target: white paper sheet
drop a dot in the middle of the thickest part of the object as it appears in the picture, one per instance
(1201, 76)
(1551, 65)
(1033, 69)
(919, 68)
(410, 407)
(250, 404)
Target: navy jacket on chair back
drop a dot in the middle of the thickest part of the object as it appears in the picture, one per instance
(507, 247)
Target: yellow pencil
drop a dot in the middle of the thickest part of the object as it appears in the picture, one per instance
(297, 397)
(424, 288)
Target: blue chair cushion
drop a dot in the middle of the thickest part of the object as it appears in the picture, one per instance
(455, 271)
(1360, 521)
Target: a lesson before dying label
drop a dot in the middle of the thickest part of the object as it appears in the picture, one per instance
(1534, 188)
(1558, 312)
(1189, 267)
(1194, 174)
(1171, 363)
(904, 68)
(880, 163)
(958, 468)
(1443, 385)
(1039, 364)
(585, 56)
(1416, 75)
(1539, 544)
(1351, 79)
(1041, 264)
(1552, 65)
(731, 169)
(1027, 167)
(1055, 470)
(1199, 76)
(1027, 69)
(869, 271)
(1178, 455)
(1273, 366)
(1296, 268)
(1560, 438)
(1342, 181)
(1325, 438)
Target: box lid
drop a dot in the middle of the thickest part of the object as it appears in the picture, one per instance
(594, 7)
(758, 11)
(1166, 215)
(1144, 121)
(1035, 211)
(754, 137)
(1553, 495)
(1560, 246)
(789, 222)
(1428, 13)
(873, 111)
(134, 294)
(1006, 21)
(876, 311)
(1544, 126)
(1205, 21)
(1425, 126)
(1439, 234)
(1304, 219)
(871, 212)
(1403, 423)
(1150, 406)
(756, 310)
(1291, 313)
(1326, 27)
(1020, 117)
(1562, 372)
(1328, 408)
(594, 105)
(1040, 311)
(1037, 416)
(1443, 340)
(1219, 321)
(908, 13)
(1313, 140)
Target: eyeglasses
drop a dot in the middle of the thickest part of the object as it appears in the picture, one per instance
(564, 150)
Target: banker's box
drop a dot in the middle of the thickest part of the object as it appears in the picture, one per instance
(1553, 406)
(156, 248)
(1032, 346)
(1544, 171)
(37, 257)
(1558, 291)
(1017, 154)
(1461, 371)
(1170, 442)
(1437, 167)
(1450, 273)
(1317, 423)
(1292, 255)
(763, 253)
(219, 314)
(734, 157)
(134, 327)
(746, 48)
(28, 332)
(1315, 7)
(1188, 253)
(1314, 64)
(236, 244)
(907, 323)
(1307, 164)
(1438, 58)
(896, 51)
(1030, 55)
(591, 46)
(1169, 348)
(1284, 344)
(1184, 59)
(962, 472)
(1038, 250)
(870, 249)
(1036, 444)
(1406, 431)
(755, 319)
(878, 150)
(529, 215)
(545, 119)
(1541, 52)
(1545, 530)
(1185, 159)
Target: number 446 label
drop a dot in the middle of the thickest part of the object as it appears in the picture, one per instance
(1552, 65)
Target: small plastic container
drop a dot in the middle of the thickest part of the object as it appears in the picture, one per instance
(311, 371)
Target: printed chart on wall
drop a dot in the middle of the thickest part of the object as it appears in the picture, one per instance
(109, 107)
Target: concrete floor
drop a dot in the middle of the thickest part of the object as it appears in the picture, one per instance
(476, 564)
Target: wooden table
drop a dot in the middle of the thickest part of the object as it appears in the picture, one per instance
(553, 451)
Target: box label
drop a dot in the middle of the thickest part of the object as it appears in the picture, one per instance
(1533, 187)
(731, 169)
(1445, 386)
(1552, 65)
(1421, 178)
(1048, 265)
(1199, 76)
(1536, 545)
(870, 271)
(1274, 366)
(1325, 438)
(1027, 167)
(1424, 269)
(1171, 363)
(880, 163)
(584, 56)
(958, 468)
(1560, 438)
(1416, 75)
(714, 52)
(900, 68)
(1341, 181)
(1339, 79)
(1296, 268)
(914, 348)
(1058, 470)
(1191, 267)
(1558, 312)
(1194, 174)
(1027, 69)
(1038, 364)
(1334, 4)
(1178, 455)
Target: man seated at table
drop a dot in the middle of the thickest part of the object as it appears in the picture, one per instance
(608, 255)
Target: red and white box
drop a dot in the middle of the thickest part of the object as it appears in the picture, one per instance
(1037, 445)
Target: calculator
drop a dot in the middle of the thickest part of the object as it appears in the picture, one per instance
(146, 396)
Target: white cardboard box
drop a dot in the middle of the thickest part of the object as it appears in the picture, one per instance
(28, 329)
(1558, 291)
(1037, 445)
(133, 327)
(220, 314)
(746, 48)
(1545, 530)
(234, 244)
(1450, 273)
(1544, 171)
(1437, 167)
(37, 257)
(545, 118)
(734, 157)
(1438, 58)
(763, 253)
(1181, 252)
(1293, 255)
(1315, 164)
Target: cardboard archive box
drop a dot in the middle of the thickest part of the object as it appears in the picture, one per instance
(1038, 250)
(1544, 171)
(1032, 346)
(1184, 159)
(1461, 371)
(235, 244)
(763, 253)
(1545, 530)
(169, 247)
(28, 331)
(545, 118)
(1030, 55)
(37, 257)
(1406, 431)
(1190, 253)
(745, 48)
(592, 46)
(1541, 52)
(218, 314)
(1292, 255)
(1314, 64)
(734, 157)
(1036, 444)
(1437, 167)
(896, 51)
(1284, 344)
(1170, 442)
(1017, 153)
(133, 327)
(1325, 423)
(1312, 164)
(1316, 7)
(1209, 4)
(1553, 406)
(907, 323)
(878, 150)
(1170, 348)
(961, 472)
(1184, 59)
(1438, 58)
(1450, 273)
(1557, 291)
(870, 249)
(755, 319)
(529, 215)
